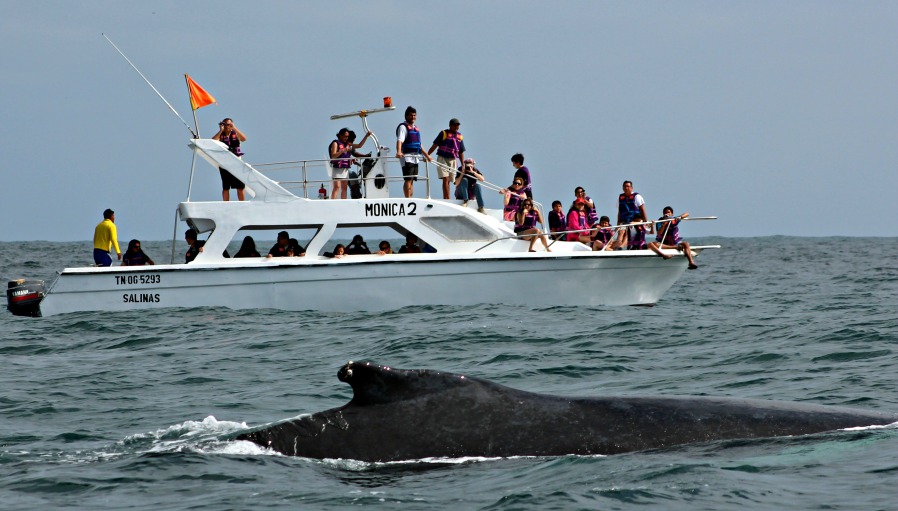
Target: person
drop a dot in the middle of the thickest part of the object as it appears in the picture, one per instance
(248, 248)
(630, 204)
(408, 150)
(451, 146)
(338, 253)
(280, 247)
(603, 235)
(231, 137)
(557, 221)
(522, 173)
(385, 248)
(636, 236)
(668, 236)
(468, 183)
(194, 246)
(135, 255)
(294, 249)
(411, 245)
(576, 222)
(341, 151)
(106, 238)
(357, 246)
(525, 223)
(513, 198)
(592, 217)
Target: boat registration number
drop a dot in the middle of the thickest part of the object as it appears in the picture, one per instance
(152, 278)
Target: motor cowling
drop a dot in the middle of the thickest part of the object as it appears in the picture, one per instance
(23, 297)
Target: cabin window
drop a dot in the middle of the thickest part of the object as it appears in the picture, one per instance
(458, 228)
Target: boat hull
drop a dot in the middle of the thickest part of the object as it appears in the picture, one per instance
(358, 283)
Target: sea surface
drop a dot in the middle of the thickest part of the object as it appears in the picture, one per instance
(139, 410)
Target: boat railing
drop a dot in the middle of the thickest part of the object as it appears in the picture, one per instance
(305, 177)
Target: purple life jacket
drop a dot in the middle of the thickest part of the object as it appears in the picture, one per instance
(637, 238)
(450, 147)
(345, 152)
(672, 236)
(233, 144)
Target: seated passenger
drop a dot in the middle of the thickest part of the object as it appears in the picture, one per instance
(411, 245)
(338, 253)
(513, 198)
(135, 256)
(357, 246)
(576, 222)
(557, 221)
(248, 248)
(385, 248)
(603, 235)
(669, 237)
(525, 223)
(294, 249)
(636, 236)
(195, 246)
(467, 184)
(280, 248)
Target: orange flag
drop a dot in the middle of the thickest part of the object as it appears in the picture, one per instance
(198, 96)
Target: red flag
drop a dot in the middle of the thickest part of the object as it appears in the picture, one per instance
(198, 96)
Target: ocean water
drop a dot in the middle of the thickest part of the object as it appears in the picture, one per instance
(139, 410)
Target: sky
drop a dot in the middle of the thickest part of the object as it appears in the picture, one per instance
(780, 118)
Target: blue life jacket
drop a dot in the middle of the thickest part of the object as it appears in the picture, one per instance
(412, 142)
(627, 207)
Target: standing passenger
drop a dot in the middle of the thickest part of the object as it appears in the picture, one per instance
(106, 238)
(231, 136)
(451, 148)
(630, 204)
(408, 150)
(341, 151)
(522, 173)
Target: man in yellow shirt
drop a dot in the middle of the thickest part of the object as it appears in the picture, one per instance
(106, 237)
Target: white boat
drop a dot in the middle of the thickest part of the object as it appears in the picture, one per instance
(471, 258)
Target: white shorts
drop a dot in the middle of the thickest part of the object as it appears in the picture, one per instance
(443, 171)
(339, 173)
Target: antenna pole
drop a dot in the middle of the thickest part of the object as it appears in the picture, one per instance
(154, 88)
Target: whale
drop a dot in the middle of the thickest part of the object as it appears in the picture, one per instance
(414, 414)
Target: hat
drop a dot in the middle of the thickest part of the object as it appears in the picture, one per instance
(470, 160)
(580, 200)
(454, 121)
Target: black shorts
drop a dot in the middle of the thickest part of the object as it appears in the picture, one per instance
(228, 180)
(410, 171)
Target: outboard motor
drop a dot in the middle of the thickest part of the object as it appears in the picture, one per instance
(23, 297)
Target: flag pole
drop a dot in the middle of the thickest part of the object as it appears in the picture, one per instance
(195, 123)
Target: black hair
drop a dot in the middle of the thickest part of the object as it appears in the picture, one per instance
(410, 110)
(518, 158)
(284, 235)
(108, 214)
(556, 203)
(190, 233)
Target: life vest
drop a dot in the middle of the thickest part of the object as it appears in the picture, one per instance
(556, 221)
(627, 209)
(451, 144)
(345, 152)
(233, 143)
(592, 216)
(603, 235)
(412, 142)
(672, 234)
(637, 238)
(529, 221)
